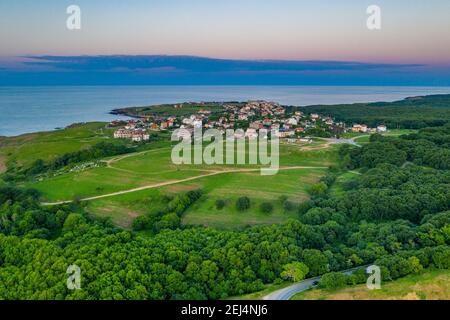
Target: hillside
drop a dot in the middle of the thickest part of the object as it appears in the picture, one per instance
(410, 113)
(430, 285)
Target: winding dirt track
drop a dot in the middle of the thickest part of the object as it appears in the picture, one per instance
(166, 183)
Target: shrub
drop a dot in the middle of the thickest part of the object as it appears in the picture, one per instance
(318, 189)
(266, 207)
(288, 205)
(220, 204)
(243, 203)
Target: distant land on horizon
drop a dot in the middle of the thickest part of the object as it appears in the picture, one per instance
(193, 70)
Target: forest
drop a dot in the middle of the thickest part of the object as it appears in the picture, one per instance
(396, 214)
(410, 113)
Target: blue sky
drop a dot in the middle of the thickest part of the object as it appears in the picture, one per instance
(413, 32)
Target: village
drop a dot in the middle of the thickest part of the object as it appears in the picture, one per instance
(294, 126)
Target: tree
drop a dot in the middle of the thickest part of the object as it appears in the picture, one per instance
(243, 203)
(316, 261)
(333, 280)
(295, 271)
(318, 189)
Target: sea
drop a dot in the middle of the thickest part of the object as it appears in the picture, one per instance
(32, 109)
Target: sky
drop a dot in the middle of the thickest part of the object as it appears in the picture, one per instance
(412, 31)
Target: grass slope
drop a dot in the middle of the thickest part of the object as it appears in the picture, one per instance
(22, 150)
(154, 167)
(430, 285)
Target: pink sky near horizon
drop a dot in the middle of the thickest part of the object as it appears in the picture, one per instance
(412, 31)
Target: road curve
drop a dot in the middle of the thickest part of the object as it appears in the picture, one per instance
(344, 141)
(289, 292)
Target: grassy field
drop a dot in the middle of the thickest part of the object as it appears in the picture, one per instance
(430, 285)
(24, 149)
(229, 187)
(152, 167)
(155, 166)
(366, 136)
(337, 187)
(122, 209)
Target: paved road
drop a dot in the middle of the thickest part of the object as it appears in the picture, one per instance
(166, 183)
(342, 141)
(289, 292)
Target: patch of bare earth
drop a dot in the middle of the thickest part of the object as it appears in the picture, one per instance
(120, 216)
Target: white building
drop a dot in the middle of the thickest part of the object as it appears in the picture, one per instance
(292, 121)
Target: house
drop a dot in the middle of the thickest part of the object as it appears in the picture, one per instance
(329, 121)
(292, 121)
(135, 135)
(197, 123)
(117, 123)
(381, 128)
(251, 134)
(123, 134)
(255, 125)
(154, 127)
(242, 117)
(275, 126)
(279, 111)
(285, 134)
(314, 116)
(138, 137)
(359, 128)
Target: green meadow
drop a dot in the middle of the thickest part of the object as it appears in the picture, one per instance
(153, 167)
(147, 169)
(228, 187)
(22, 150)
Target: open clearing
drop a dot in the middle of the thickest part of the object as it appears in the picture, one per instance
(129, 185)
(155, 167)
(290, 182)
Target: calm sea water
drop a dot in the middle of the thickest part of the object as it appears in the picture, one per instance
(31, 109)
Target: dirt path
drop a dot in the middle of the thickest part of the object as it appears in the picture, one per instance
(167, 183)
(128, 155)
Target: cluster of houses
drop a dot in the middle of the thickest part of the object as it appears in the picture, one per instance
(251, 116)
(133, 130)
(363, 128)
